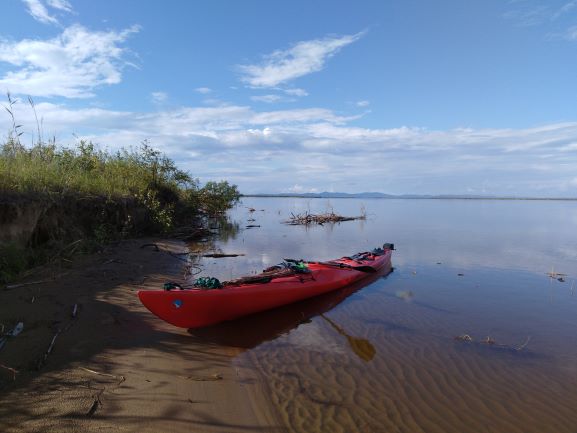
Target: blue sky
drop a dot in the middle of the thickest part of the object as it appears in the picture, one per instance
(444, 97)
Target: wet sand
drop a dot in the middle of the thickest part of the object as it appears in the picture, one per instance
(116, 367)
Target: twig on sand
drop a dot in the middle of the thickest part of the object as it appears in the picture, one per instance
(119, 378)
(11, 370)
(156, 248)
(44, 357)
(15, 286)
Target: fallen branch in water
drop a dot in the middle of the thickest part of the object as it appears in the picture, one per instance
(522, 346)
(214, 377)
(329, 217)
(466, 338)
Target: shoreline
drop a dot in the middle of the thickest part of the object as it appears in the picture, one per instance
(115, 366)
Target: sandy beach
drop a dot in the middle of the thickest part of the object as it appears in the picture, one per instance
(115, 367)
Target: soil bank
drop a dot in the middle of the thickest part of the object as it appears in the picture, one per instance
(115, 367)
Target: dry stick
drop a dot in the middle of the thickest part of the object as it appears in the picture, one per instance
(12, 370)
(156, 248)
(64, 248)
(45, 357)
(121, 378)
(522, 346)
(74, 311)
(15, 286)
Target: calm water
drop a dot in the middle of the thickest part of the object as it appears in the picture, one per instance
(383, 357)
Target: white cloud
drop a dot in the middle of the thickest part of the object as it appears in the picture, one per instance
(317, 148)
(269, 99)
(296, 92)
(159, 97)
(71, 65)
(203, 90)
(571, 34)
(363, 103)
(567, 7)
(297, 188)
(62, 5)
(39, 12)
(301, 59)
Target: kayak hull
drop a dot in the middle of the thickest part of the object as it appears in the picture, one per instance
(198, 308)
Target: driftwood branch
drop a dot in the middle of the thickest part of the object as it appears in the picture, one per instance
(329, 217)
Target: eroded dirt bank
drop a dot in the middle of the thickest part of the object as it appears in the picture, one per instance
(115, 367)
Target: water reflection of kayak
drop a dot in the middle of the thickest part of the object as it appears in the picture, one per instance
(273, 288)
(250, 331)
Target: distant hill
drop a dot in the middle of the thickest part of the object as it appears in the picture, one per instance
(363, 195)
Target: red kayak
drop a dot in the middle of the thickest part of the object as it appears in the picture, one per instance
(279, 285)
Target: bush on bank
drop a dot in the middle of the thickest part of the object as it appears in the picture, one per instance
(87, 192)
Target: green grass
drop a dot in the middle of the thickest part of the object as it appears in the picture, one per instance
(142, 173)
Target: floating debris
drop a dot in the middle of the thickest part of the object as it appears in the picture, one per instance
(251, 226)
(405, 295)
(488, 340)
(460, 275)
(216, 376)
(330, 217)
(491, 342)
(554, 274)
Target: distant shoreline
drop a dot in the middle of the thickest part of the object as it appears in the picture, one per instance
(409, 197)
